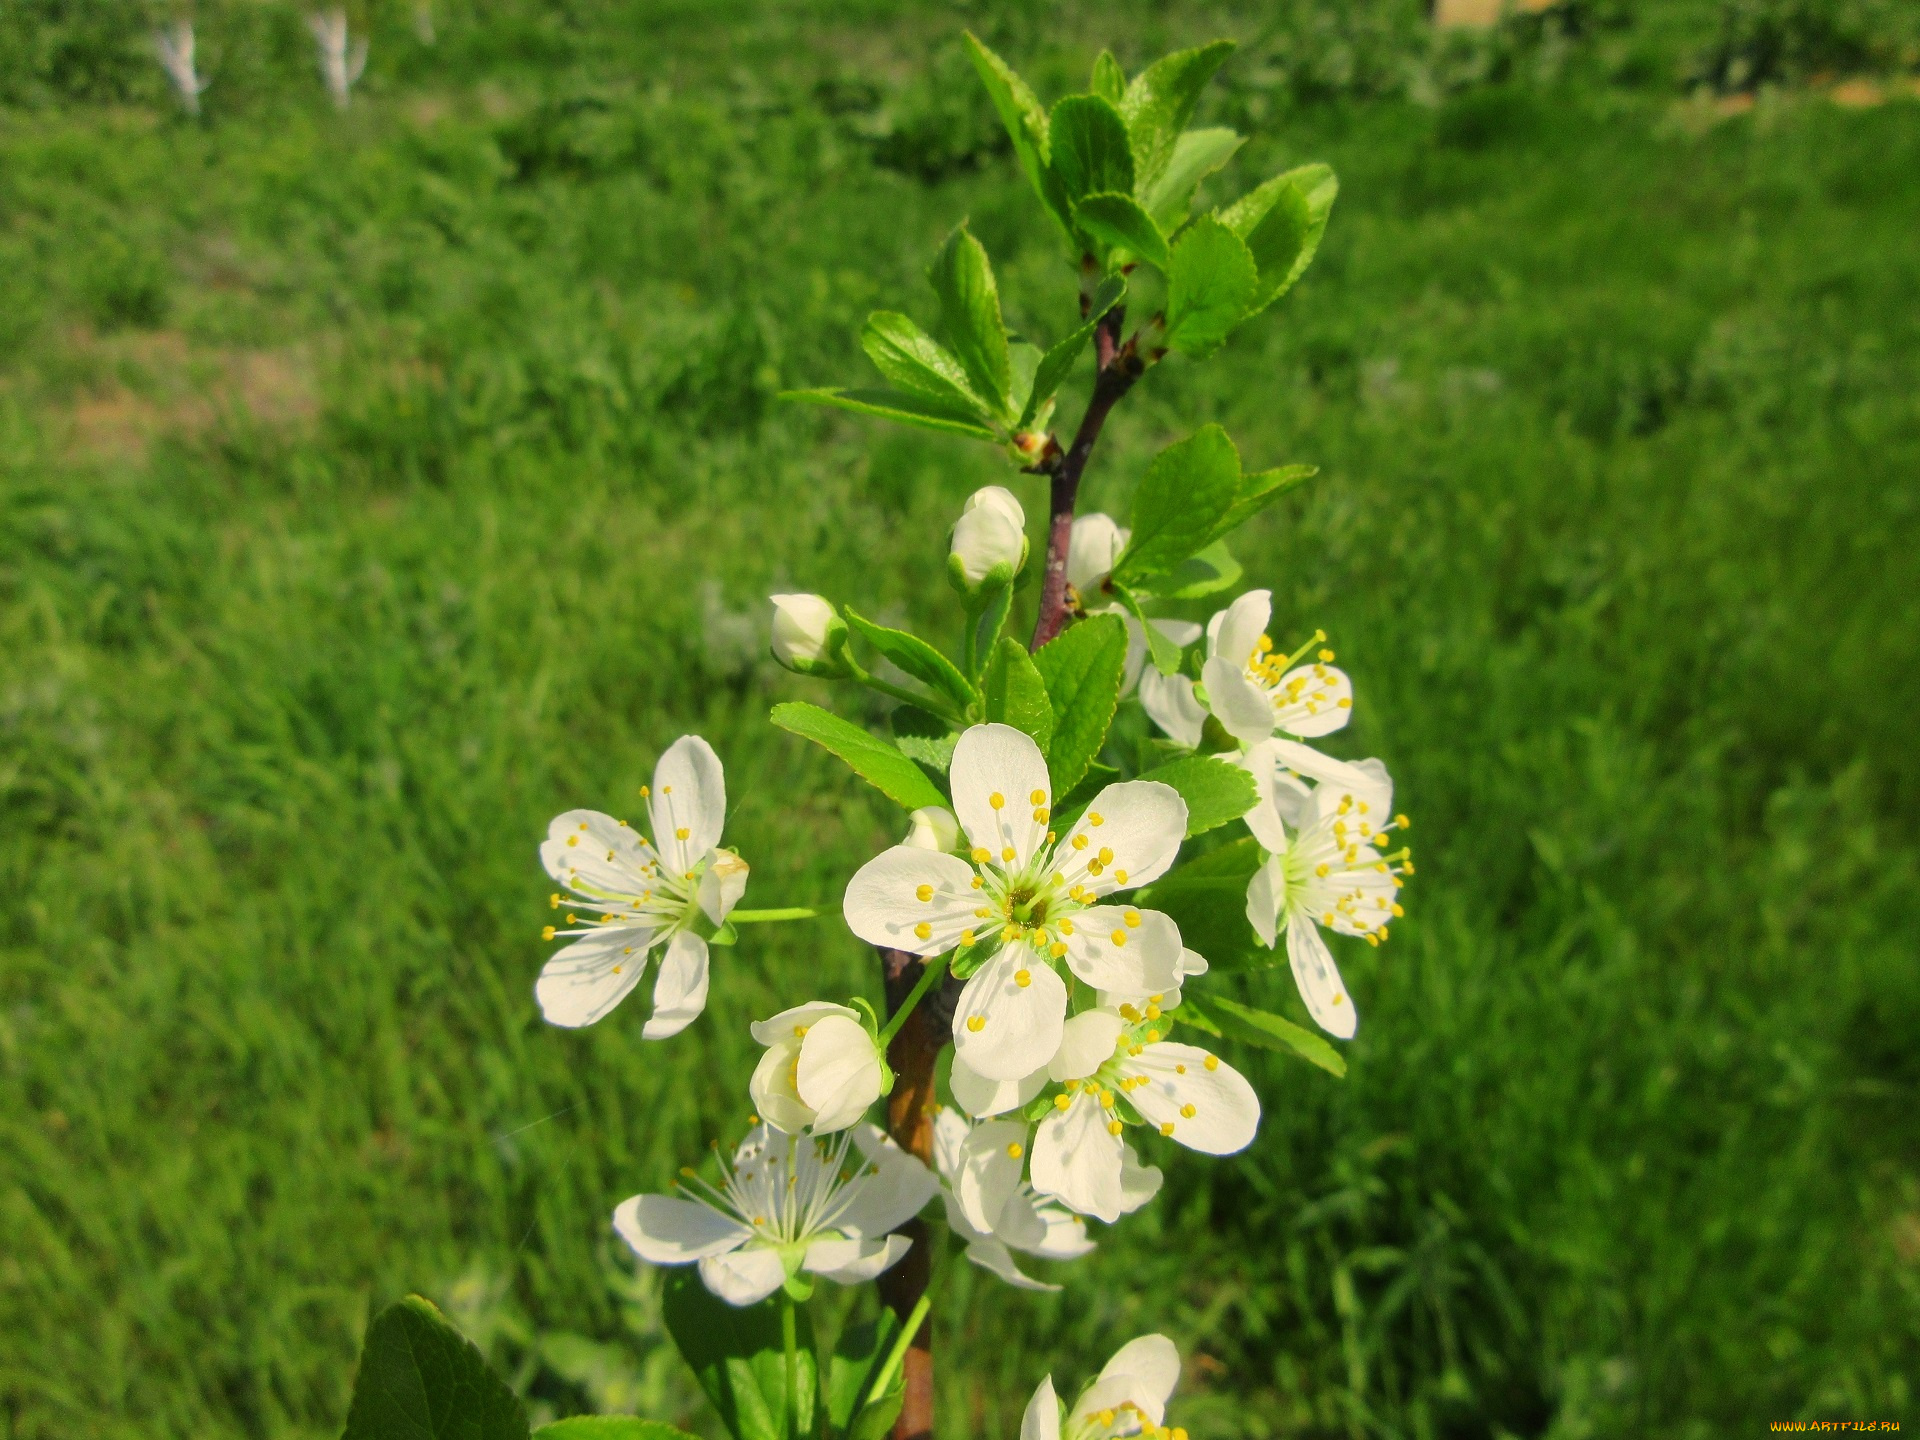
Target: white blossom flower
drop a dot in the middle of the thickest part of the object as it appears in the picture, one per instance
(1129, 1397)
(1191, 1096)
(785, 1204)
(636, 894)
(932, 827)
(1324, 867)
(1095, 543)
(1034, 893)
(808, 635)
(994, 1210)
(989, 539)
(821, 1071)
(1253, 692)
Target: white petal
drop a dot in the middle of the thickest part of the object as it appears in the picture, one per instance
(1264, 893)
(1364, 779)
(1319, 979)
(1153, 1363)
(992, 760)
(1042, 1419)
(1076, 1159)
(848, 1262)
(680, 992)
(1264, 820)
(745, 1277)
(595, 854)
(1066, 1233)
(775, 1095)
(932, 827)
(1171, 704)
(893, 1196)
(666, 1230)
(1138, 1183)
(1020, 1025)
(950, 1132)
(583, 982)
(1095, 544)
(981, 1097)
(1241, 707)
(1235, 631)
(1019, 1224)
(690, 795)
(722, 885)
(1312, 700)
(1132, 831)
(1226, 1112)
(1108, 953)
(992, 1254)
(839, 1073)
(1086, 1044)
(991, 1162)
(785, 1026)
(883, 905)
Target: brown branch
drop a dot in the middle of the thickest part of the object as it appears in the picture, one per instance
(1120, 366)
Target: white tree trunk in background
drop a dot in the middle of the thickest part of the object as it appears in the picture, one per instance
(173, 45)
(342, 60)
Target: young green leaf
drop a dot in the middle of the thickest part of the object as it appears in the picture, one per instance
(737, 1355)
(1118, 222)
(898, 405)
(421, 1379)
(1230, 1020)
(881, 765)
(1024, 359)
(858, 1356)
(1188, 490)
(1261, 489)
(1059, 360)
(609, 1427)
(1160, 102)
(1207, 898)
(1082, 668)
(962, 277)
(917, 658)
(1026, 125)
(1282, 222)
(1161, 650)
(915, 361)
(1215, 791)
(1016, 695)
(1211, 280)
(1068, 809)
(923, 737)
(1109, 80)
(1089, 148)
(1196, 155)
(987, 626)
(1207, 571)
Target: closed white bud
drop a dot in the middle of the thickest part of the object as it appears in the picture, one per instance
(989, 540)
(1096, 543)
(932, 827)
(809, 636)
(821, 1071)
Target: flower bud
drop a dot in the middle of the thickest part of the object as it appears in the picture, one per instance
(932, 827)
(822, 1069)
(989, 541)
(1096, 544)
(809, 637)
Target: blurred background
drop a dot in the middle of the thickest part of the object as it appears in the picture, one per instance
(377, 481)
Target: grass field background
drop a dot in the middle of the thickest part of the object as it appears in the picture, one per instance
(375, 485)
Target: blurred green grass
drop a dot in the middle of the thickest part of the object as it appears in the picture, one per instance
(374, 486)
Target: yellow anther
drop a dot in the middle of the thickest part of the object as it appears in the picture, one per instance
(1023, 978)
(1179, 1069)
(1153, 1037)
(1153, 1012)
(925, 892)
(1129, 1013)
(644, 792)
(978, 883)
(997, 800)
(1079, 842)
(1016, 1150)
(1135, 1049)
(1010, 931)
(1039, 797)
(1320, 870)
(966, 937)
(1119, 877)
(1066, 927)
(1094, 867)
(1403, 822)
(1057, 950)
(546, 932)
(1381, 839)
(980, 856)
(1213, 1062)
(1106, 1099)
(1114, 1127)
(1051, 837)
(1343, 703)
(1120, 938)
(1187, 1112)
(1132, 919)
(1398, 912)
(681, 833)
(1338, 998)
(983, 913)
(1007, 854)
(923, 930)
(1327, 919)
(1155, 999)
(1106, 856)
(976, 1023)
(1105, 1417)
(1095, 818)
(573, 839)
(1166, 1127)
(1039, 816)
(1062, 1102)
(553, 900)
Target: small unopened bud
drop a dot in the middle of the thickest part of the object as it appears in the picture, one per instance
(989, 541)
(932, 827)
(809, 637)
(1096, 544)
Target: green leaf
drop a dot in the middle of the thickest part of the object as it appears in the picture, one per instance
(1082, 668)
(1211, 280)
(915, 361)
(609, 1427)
(1016, 695)
(1196, 155)
(1188, 490)
(1118, 222)
(1259, 490)
(1025, 362)
(991, 620)
(1088, 143)
(1163, 652)
(1109, 80)
(923, 737)
(1026, 125)
(1215, 791)
(1160, 102)
(962, 277)
(1059, 360)
(857, 1357)
(871, 758)
(737, 1355)
(916, 657)
(421, 1379)
(900, 406)
(1282, 222)
(1207, 898)
(1231, 1020)
(1205, 572)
